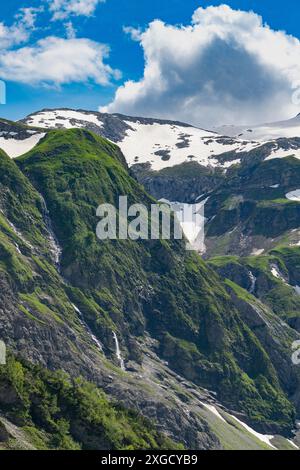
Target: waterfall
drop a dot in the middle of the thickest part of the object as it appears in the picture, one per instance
(55, 249)
(87, 328)
(118, 352)
(253, 282)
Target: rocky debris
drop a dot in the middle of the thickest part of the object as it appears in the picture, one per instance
(14, 436)
(276, 336)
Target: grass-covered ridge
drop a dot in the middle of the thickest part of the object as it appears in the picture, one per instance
(153, 286)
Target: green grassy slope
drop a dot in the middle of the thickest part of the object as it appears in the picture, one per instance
(151, 285)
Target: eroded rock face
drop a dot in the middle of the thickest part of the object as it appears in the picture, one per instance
(184, 183)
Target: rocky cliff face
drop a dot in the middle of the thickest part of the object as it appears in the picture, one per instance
(184, 183)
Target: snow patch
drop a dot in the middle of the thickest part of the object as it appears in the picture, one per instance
(14, 148)
(293, 195)
(166, 145)
(293, 444)
(266, 439)
(162, 144)
(262, 437)
(257, 252)
(276, 273)
(280, 153)
(264, 132)
(63, 118)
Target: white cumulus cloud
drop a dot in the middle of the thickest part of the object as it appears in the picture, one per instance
(63, 9)
(227, 66)
(56, 61)
(19, 31)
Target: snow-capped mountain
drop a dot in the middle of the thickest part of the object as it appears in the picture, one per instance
(161, 143)
(263, 132)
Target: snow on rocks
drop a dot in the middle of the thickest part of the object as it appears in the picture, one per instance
(66, 118)
(262, 437)
(161, 143)
(265, 438)
(281, 153)
(275, 271)
(166, 145)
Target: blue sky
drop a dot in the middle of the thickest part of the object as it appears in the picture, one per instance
(105, 25)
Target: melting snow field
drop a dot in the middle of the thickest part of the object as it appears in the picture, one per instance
(166, 145)
(293, 195)
(14, 148)
(280, 153)
(262, 437)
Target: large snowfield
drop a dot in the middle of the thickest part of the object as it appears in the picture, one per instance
(164, 144)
